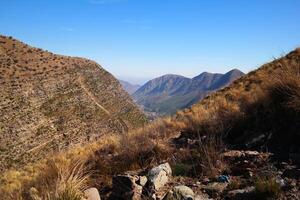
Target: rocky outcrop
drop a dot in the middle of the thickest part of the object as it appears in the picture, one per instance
(243, 183)
(135, 185)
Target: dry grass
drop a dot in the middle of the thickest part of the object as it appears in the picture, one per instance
(287, 85)
(267, 188)
(56, 181)
(210, 157)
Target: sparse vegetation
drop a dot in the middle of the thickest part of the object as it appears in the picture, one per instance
(233, 117)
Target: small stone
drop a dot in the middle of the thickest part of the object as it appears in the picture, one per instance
(251, 153)
(240, 193)
(92, 194)
(181, 192)
(206, 180)
(143, 180)
(233, 154)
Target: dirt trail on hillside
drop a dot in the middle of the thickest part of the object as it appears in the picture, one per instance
(94, 99)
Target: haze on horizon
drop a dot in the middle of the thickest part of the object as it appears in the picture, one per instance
(138, 40)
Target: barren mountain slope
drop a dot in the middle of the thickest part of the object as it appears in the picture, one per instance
(49, 102)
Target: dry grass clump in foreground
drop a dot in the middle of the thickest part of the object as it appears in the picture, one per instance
(267, 188)
(64, 180)
(16, 183)
(61, 182)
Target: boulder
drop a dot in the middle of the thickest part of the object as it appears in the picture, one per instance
(126, 187)
(159, 176)
(92, 194)
(181, 192)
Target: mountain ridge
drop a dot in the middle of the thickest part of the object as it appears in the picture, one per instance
(159, 93)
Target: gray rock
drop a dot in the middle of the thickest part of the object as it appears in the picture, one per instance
(233, 154)
(92, 194)
(159, 176)
(180, 193)
(214, 189)
(240, 194)
(142, 180)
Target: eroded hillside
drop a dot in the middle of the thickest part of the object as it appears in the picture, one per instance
(49, 102)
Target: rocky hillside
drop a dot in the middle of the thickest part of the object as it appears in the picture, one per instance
(128, 87)
(49, 102)
(169, 93)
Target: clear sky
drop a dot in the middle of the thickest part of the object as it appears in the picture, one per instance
(140, 39)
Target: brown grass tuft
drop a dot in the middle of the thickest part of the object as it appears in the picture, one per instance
(267, 188)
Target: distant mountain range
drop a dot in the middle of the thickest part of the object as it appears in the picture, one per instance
(167, 94)
(128, 87)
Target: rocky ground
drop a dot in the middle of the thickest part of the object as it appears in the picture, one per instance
(250, 175)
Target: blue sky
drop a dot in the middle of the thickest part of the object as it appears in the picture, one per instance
(140, 39)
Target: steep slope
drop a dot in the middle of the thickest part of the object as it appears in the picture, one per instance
(258, 111)
(128, 87)
(50, 102)
(169, 93)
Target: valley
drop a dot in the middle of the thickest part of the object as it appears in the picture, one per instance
(149, 100)
(69, 129)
